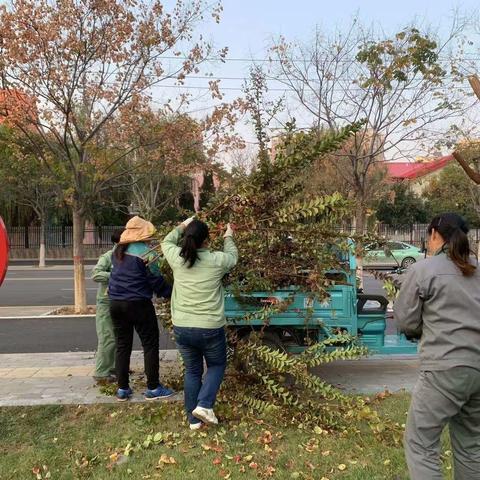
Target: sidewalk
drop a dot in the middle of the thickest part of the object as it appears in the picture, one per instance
(66, 378)
(59, 378)
(25, 312)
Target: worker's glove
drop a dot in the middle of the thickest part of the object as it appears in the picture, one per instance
(228, 231)
(187, 222)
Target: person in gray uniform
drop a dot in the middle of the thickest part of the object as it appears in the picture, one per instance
(439, 304)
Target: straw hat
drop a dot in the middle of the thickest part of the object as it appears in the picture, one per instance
(137, 230)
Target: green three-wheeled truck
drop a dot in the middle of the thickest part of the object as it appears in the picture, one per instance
(307, 320)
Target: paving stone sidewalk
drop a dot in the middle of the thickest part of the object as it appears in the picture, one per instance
(60, 378)
(66, 378)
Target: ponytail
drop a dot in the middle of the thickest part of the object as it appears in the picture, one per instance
(120, 251)
(189, 251)
(195, 235)
(459, 252)
(454, 231)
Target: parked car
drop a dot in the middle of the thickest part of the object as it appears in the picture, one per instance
(392, 255)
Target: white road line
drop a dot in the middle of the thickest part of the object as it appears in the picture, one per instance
(71, 289)
(34, 279)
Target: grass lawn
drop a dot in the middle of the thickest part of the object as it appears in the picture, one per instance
(150, 441)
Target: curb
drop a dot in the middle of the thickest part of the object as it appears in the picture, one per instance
(46, 316)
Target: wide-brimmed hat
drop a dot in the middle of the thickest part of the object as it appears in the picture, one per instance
(137, 230)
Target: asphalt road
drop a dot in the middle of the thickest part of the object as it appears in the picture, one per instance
(47, 335)
(30, 286)
(54, 286)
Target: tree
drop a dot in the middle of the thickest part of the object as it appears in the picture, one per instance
(262, 111)
(175, 152)
(467, 153)
(288, 243)
(394, 84)
(453, 191)
(28, 184)
(332, 173)
(84, 65)
(401, 206)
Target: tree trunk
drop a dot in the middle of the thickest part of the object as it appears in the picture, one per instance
(80, 294)
(42, 253)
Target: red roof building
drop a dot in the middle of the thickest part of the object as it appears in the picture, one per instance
(418, 174)
(416, 170)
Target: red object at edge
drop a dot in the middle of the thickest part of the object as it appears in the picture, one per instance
(4, 246)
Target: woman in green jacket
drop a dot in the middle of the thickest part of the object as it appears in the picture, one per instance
(198, 312)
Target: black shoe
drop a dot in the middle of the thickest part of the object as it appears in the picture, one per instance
(105, 380)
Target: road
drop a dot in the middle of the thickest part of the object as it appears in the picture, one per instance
(30, 286)
(51, 287)
(49, 334)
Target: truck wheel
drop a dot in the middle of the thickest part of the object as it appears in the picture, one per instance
(273, 341)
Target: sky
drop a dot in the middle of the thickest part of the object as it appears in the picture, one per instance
(248, 27)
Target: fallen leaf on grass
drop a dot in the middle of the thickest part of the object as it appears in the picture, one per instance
(253, 465)
(217, 461)
(342, 467)
(225, 474)
(326, 453)
(214, 448)
(266, 438)
(166, 460)
(269, 471)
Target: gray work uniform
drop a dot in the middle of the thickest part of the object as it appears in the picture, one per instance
(441, 307)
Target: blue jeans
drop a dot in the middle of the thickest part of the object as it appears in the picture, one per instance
(196, 344)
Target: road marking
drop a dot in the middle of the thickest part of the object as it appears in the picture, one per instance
(35, 279)
(71, 289)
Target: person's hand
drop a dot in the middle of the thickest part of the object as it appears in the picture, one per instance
(228, 231)
(187, 222)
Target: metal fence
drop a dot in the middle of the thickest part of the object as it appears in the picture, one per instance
(62, 237)
(59, 237)
(417, 233)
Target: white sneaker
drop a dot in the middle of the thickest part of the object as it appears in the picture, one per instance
(206, 415)
(196, 426)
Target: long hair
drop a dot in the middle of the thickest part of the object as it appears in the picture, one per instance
(195, 234)
(116, 235)
(120, 251)
(454, 229)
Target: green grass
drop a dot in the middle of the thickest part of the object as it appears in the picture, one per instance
(89, 442)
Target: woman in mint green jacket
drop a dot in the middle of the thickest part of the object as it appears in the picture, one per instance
(198, 312)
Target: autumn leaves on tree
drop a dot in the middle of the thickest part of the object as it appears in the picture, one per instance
(87, 69)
